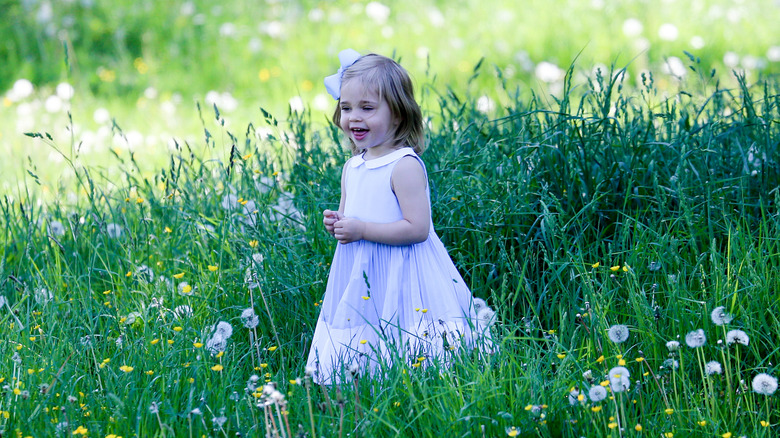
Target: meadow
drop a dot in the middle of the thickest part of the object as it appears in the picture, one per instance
(623, 226)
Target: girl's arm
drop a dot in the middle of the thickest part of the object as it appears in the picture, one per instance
(408, 182)
(330, 217)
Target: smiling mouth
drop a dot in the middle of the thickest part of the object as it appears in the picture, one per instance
(359, 133)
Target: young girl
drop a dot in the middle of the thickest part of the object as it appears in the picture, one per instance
(393, 291)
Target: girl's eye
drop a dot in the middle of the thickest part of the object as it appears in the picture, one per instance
(345, 108)
(367, 108)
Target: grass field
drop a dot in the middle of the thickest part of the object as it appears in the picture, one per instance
(624, 228)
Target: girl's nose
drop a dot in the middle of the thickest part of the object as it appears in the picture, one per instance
(354, 116)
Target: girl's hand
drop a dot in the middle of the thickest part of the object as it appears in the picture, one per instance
(349, 229)
(330, 217)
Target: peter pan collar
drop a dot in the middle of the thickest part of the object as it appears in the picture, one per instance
(383, 160)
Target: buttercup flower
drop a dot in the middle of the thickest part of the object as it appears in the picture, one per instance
(719, 316)
(764, 384)
(737, 337)
(696, 338)
(618, 333)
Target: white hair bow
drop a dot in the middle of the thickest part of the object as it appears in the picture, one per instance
(333, 82)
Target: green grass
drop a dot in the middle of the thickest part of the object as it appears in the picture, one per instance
(610, 206)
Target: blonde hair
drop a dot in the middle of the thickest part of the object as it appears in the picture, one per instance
(394, 86)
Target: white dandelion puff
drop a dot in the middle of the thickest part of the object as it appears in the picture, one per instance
(229, 202)
(673, 345)
(713, 367)
(719, 316)
(486, 317)
(618, 333)
(249, 318)
(696, 338)
(478, 304)
(671, 364)
(56, 228)
(223, 329)
(737, 337)
(253, 383)
(215, 344)
(619, 379)
(114, 231)
(764, 384)
(597, 393)
(182, 312)
(42, 296)
(144, 274)
(574, 397)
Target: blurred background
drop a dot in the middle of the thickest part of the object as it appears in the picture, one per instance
(77, 69)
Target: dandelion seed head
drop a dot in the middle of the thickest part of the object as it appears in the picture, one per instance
(719, 316)
(56, 228)
(478, 304)
(597, 393)
(216, 344)
(182, 312)
(249, 318)
(764, 384)
(737, 337)
(713, 367)
(673, 345)
(114, 231)
(695, 339)
(223, 329)
(618, 333)
(486, 317)
(619, 379)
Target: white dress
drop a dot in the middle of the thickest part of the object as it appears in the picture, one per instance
(383, 302)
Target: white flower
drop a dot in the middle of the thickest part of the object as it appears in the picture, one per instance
(182, 312)
(22, 89)
(696, 338)
(230, 202)
(251, 275)
(113, 230)
(673, 345)
(671, 363)
(719, 316)
(574, 396)
(42, 296)
(132, 317)
(354, 369)
(154, 408)
(252, 383)
(713, 367)
(632, 27)
(675, 67)
(223, 329)
(144, 274)
(486, 317)
(219, 421)
(737, 337)
(215, 344)
(65, 91)
(597, 393)
(478, 304)
(548, 72)
(764, 384)
(310, 370)
(668, 32)
(377, 12)
(485, 104)
(249, 318)
(86, 341)
(56, 228)
(618, 333)
(619, 379)
(196, 411)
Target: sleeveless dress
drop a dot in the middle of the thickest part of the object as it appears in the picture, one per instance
(383, 302)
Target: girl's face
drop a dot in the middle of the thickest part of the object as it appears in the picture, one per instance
(366, 117)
